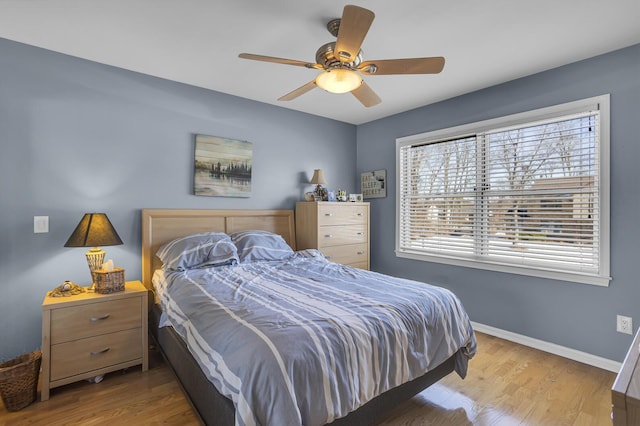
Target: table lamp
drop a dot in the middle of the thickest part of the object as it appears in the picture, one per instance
(318, 180)
(94, 230)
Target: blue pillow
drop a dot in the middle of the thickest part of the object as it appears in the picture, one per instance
(260, 245)
(198, 251)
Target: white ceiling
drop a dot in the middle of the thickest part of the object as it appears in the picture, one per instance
(198, 41)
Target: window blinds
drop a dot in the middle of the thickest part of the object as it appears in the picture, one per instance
(527, 195)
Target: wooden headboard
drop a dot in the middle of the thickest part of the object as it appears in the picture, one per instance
(159, 226)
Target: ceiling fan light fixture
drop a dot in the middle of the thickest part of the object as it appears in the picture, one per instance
(339, 80)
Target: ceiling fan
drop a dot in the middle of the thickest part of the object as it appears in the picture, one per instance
(341, 61)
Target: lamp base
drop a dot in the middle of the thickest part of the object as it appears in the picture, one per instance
(95, 259)
(321, 192)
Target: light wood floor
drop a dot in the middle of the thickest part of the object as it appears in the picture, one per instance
(507, 384)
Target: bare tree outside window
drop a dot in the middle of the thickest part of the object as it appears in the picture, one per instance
(551, 161)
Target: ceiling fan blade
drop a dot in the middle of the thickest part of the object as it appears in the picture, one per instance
(354, 26)
(279, 60)
(366, 95)
(403, 66)
(299, 91)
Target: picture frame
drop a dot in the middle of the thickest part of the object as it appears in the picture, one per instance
(355, 198)
(374, 184)
(222, 167)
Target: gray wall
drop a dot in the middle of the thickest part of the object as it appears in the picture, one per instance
(77, 136)
(577, 316)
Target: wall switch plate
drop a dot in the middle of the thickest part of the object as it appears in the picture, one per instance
(40, 224)
(624, 324)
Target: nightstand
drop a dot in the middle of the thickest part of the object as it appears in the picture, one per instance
(91, 334)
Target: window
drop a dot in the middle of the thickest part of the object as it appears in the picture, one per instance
(527, 193)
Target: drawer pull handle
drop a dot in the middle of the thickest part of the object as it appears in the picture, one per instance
(94, 319)
(360, 252)
(358, 214)
(101, 351)
(328, 236)
(360, 233)
(328, 214)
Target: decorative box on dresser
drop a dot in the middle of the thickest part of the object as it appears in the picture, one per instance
(91, 334)
(339, 230)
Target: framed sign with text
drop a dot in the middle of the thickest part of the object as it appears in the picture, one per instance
(373, 184)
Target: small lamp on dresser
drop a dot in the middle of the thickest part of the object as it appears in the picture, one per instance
(94, 229)
(318, 179)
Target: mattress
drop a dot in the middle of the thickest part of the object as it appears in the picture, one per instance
(306, 341)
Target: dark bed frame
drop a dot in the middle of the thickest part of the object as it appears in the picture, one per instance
(161, 226)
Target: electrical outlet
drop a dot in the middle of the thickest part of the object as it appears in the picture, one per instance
(624, 324)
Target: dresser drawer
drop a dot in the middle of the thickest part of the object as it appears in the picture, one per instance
(92, 319)
(360, 265)
(341, 214)
(80, 356)
(349, 254)
(337, 235)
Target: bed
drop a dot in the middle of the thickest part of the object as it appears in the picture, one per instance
(296, 272)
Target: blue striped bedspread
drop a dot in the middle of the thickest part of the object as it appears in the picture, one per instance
(305, 341)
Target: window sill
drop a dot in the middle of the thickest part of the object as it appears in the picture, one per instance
(509, 269)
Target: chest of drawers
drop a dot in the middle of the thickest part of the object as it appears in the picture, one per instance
(339, 230)
(91, 334)
(625, 392)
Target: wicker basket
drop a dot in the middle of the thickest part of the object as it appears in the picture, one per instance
(19, 380)
(109, 282)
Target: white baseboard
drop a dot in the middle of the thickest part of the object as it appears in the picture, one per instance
(583, 357)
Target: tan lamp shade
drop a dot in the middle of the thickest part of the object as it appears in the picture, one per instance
(318, 177)
(94, 229)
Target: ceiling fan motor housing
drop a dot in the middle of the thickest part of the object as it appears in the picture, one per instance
(326, 57)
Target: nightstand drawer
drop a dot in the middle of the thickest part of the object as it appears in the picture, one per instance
(92, 319)
(338, 215)
(341, 235)
(80, 356)
(354, 253)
